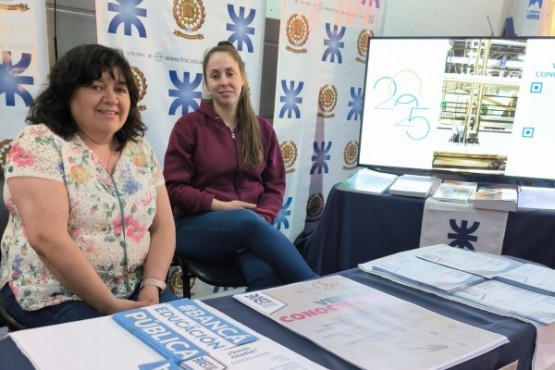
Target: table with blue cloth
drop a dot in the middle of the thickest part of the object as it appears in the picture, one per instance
(359, 227)
(520, 347)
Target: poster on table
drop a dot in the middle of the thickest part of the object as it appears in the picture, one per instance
(351, 320)
(318, 103)
(24, 63)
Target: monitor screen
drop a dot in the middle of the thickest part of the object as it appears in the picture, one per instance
(483, 106)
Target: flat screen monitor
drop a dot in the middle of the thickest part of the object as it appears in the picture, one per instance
(469, 105)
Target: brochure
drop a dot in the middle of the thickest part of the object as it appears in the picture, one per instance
(455, 191)
(352, 320)
(511, 297)
(498, 198)
(413, 185)
(368, 181)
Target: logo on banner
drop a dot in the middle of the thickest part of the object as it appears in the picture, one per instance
(334, 43)
(462, 235)
(327, 100)
(362, 45)
(291, 99)
(142, 86)
(355, 104)
(534, 9)
(189, 15)
(128, 15)
(186, 92)
(350, 155)
(11, 80)
(18, 7)
(297, 31)
(314, 207)
(283, 214)
(240, 28)
(289, 153)
(321, 155)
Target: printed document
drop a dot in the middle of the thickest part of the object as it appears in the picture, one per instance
(353, 320)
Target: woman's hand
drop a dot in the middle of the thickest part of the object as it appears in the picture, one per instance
(149, 294)
(218, 205)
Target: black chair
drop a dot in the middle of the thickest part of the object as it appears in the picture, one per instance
(220, 274)
(6, 319)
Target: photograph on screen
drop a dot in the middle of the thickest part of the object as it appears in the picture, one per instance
(462, 104)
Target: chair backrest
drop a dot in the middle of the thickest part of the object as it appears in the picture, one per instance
(225, 274)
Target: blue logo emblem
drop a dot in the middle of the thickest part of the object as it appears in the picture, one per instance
(186, 93)
(291, 99)
(284, 212)
(355, 104)
(128, 14)
(11, 81)
(321, 155)
(240, 30)
(334, 43)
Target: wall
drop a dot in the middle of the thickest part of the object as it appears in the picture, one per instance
(446, 17)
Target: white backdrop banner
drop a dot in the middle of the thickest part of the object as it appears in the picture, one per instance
(24, 63)
(165, 42)
(463, 226)
(318, 103)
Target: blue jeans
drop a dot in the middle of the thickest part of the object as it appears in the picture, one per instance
(60, 313)
(269, 259)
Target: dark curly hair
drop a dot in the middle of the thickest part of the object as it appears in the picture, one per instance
(80, 67)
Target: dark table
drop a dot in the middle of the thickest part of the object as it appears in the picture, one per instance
(520, 347)
(358, 227)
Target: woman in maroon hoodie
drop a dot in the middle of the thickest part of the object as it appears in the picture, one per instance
(225, 177)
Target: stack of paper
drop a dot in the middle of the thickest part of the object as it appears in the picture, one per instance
(418, 272)
(368, 181)
(455, 191)
(518, 295)
(538, 278)
(413, 185)
(501, 198)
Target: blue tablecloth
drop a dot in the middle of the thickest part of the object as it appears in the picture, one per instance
(357, 227)
(520, 347)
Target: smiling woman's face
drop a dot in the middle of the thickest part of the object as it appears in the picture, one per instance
(101, 109)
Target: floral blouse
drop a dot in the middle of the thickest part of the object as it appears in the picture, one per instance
(109, 215)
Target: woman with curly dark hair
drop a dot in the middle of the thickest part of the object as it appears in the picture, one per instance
(91, 230)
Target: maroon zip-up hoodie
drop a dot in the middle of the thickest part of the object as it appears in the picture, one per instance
(203, 161)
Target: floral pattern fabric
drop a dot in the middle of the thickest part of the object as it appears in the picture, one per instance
(109, 215)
